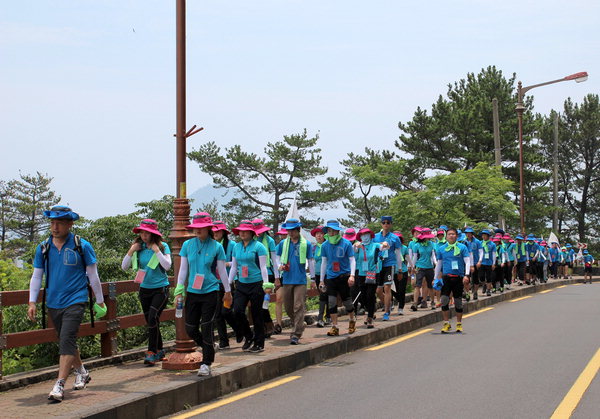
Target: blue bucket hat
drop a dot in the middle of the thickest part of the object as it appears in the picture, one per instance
(291, 224)
(585, 252)
(444, 227)
(60, 212)
(386, 218)
(569, 245)
(438, 284)
(333, 224)
(469, 230)
(486, 231)
(461, 237)
(499, 230)
(519, 237)
(530, 236)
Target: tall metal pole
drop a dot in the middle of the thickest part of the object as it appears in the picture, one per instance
(555, 173)
(185, 356)
(497, 149)
(520, 109)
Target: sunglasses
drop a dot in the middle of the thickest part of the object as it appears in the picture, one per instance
(150, 223)
(386, 222)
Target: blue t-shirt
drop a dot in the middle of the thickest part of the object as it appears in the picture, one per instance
(571, 255)
(154, 278)
(338, 258)
(404, 253)
(394, 243)
(66, 283)
(553, 251)
(248, 265)
(367, 258)
(474, 247)
(487, 258)
(453, 265)
(297, 273)
(511, 251)
(424, 251)
(521, 251)
(318, 258)
(532, 249)
(501, 249)
(271, 248)
(202, 259)
(588, 259)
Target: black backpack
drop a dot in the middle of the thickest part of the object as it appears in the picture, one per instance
(45, 249)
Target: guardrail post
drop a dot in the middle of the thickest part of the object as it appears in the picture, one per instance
(108, 340)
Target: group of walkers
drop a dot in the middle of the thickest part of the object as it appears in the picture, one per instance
(226, 282)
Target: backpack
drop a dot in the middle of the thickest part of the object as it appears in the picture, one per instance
(45, 250)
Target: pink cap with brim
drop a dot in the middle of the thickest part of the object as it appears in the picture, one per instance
(426, 234)
(201, 220)
(350, 234)
(364, 231)
(543, 243)
(259, 226)
(220, 226)
(282, 232)
(441, 232)
(245, 225)
(148, 225)
(506, 237)
(496, 239)
(318, 229)
(416, 228)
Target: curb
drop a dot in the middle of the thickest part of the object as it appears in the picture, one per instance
(178, 395)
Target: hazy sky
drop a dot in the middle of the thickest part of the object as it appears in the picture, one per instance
(87, 88)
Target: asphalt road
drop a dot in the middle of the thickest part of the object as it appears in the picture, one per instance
(518, 360)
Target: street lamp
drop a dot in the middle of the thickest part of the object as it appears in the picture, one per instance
(578, 77)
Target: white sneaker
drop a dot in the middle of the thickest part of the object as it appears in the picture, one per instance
(57, 392)
(81, 380)
(204, 370)
(400, 311)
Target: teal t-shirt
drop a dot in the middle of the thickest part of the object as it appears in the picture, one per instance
(271, 248)
(366, 260)
(154, 278)
(424, 251)
(404, 252)
(202, 259)
(248, 266)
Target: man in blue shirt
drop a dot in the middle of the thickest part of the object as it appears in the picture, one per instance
(533, 252)
(67, 267)
(453, 262)
(337, 267)
(391, 270)
(487, 261)
(294, 256)
(588, 261)
(473, 244)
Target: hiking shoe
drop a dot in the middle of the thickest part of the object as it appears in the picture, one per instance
(360, 311)
(489, 294)
(334, 331)
(413, 307)
(223, 345)
(204, 370)
(424, 304)
(501, 290)
(320, 323)
(400, 311)
(277, 329)
(294, 340)
(257, 348)
(161, 355)
(352, 326)
(475, 297)
(459, 328)
(150, 358)
(446, 327)
(467, 296)
(369, 323)
(58, 391)
(386, 316)
(327, 321)
(81, 380)
(432, 305)
(247, 344)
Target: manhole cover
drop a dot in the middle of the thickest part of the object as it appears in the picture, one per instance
(335, 363)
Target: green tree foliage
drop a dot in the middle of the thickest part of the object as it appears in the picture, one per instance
(6, 197)
(265, 185)
(456, 199)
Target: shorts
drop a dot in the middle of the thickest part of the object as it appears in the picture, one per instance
(385, 276)
(570, 265)
(427, 274)
(485, 274)
(587, 269)
(474, 276)
(66, 322)
(532, 268)
(338, 285)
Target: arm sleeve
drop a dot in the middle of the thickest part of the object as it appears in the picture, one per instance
(323, 268)
(273, 259)
(438, 269)
(537, 254)
(126, 264)
(399, 259)
(263, 268)
(480, 255)
(183, 271)
(92, 274)
(433, 258)
(494, 257)
(35, 284)
(276, 263)
(232, 270)
(411, 256)
(352, 265)
(467, 260)
(471, 257)
(311, 268)
(504, 257)
(164, 260)
(222, 270)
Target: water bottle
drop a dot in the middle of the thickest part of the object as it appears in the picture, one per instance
(179, 307)
(266, 301)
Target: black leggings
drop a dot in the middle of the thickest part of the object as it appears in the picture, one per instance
(153, 302)
(521, 268)
(486, 274)
(368, 291)
(224, 316)
(200, 314)
(253, 293)
(400, 293)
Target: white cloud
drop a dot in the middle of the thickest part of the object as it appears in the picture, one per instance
(15, 34)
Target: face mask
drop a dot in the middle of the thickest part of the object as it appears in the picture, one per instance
(365, 238)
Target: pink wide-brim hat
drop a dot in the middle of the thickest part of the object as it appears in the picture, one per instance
(318, 229)
(245, 225)
(282, 232)
(148, 225)
(220, 226)
(425, 234)
(350, 234)
(364, 231)
(201, 220)
(259, 226)
(417, 229)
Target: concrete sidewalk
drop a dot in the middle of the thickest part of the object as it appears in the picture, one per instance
(134, 390)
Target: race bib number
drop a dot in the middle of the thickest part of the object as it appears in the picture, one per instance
(198, 281)
(245, 271)
(365, 265)
(486, 256)
(531, 255)
(336, 266)
(370, 277)
(454, 265)
(139, 276)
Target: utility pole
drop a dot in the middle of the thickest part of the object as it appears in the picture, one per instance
(555, 173)
(497, 149)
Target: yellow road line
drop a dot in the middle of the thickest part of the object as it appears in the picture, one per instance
(401, 339)
(235, 398)
(562, 286)
(477, 312)
(547, 291)
(566, 408)
(520, 299)
(579, 283)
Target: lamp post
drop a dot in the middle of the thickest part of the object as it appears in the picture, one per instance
(578, 77)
